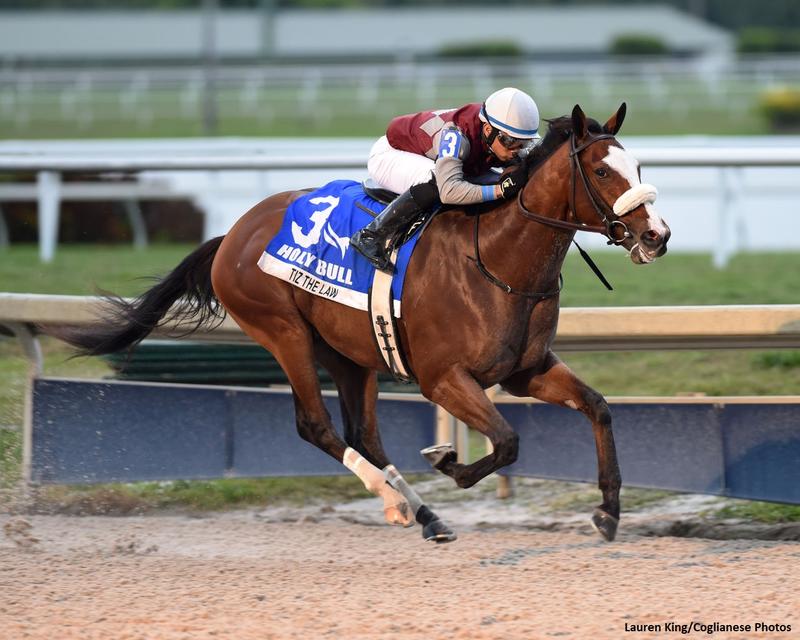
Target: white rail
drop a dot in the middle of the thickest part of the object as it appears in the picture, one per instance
(50, 189)
(579, 328)
(21, 162)
(649, 157)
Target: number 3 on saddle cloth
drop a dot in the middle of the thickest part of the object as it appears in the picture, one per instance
(312, 251)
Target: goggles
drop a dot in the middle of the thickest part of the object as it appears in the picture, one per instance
(516, 144)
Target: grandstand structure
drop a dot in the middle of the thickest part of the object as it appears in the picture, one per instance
(108, 36)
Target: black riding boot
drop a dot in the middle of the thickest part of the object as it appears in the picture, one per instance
(371, 241)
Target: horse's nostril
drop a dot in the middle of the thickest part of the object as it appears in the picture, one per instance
(651, 238)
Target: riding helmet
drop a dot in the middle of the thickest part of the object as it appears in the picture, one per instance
(512, 111)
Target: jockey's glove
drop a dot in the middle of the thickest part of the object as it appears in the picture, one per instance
(513, 180)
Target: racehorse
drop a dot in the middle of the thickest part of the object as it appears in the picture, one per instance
(480, 308)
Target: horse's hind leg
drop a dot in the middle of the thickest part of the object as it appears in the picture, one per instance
(357, 390)
(289, 339)
(557, 384)
(358, 395)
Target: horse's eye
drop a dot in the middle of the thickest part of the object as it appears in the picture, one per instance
(601, 172)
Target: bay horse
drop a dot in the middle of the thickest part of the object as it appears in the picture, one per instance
(480, 308)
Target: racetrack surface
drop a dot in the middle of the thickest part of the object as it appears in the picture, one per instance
(327, 571)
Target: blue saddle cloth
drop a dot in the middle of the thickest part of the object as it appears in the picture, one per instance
(312, 250)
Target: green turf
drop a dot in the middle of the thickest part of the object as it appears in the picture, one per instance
(84, 269)
(683, 278)
(121, 499)
(668, 373)
(678, 278)
(760, 512)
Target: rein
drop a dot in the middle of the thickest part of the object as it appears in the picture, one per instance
(600, 207)
(606, 230)
(538, 295)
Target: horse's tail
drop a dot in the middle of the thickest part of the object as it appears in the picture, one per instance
(125, 323)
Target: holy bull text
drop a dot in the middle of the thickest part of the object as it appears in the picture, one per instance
(322, 268)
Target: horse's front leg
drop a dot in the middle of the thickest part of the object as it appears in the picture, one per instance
(458, 393)
(557, 384)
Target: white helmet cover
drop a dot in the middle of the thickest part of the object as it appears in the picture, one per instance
(512, 111)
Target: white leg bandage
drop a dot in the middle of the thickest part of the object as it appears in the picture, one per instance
(394, 478)
(395, 508)
(369, 474)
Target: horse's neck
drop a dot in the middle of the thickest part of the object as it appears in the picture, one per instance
(538, 251)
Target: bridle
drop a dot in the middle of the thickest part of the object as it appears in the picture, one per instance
(611, 221)
(608, 216)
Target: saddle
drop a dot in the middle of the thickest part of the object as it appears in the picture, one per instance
(385, 197)
(311, 251)
(377, 192)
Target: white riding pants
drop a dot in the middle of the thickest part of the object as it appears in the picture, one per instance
(397, 170)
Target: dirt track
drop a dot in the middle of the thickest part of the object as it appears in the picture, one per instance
(328, 572)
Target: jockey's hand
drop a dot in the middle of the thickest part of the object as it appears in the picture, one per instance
(513, 180)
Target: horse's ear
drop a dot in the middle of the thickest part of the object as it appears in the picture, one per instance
(578, 121)
(614, 123)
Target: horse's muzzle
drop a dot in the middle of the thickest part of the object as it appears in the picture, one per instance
(651, 244)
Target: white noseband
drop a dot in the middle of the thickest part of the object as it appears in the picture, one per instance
(635, 196)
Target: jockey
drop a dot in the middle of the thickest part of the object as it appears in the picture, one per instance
(430, 157)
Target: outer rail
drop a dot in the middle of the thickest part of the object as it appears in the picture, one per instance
(579, 329)
(651, 157)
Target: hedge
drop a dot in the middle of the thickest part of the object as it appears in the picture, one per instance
(485, 49)
(781, 107)
(768, 41)
(636, 44)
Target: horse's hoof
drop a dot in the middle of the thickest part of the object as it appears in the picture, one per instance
(439, 455)
(399, 514)
(605, 524)
(438, 532)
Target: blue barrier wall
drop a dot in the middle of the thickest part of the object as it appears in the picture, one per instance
(739, 450)
(88, 431)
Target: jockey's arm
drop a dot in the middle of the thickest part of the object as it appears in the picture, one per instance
(449, 171)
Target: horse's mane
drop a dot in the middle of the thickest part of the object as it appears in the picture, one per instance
(558, 131)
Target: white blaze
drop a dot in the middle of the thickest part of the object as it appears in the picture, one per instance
(626, 166)
(623, 163)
